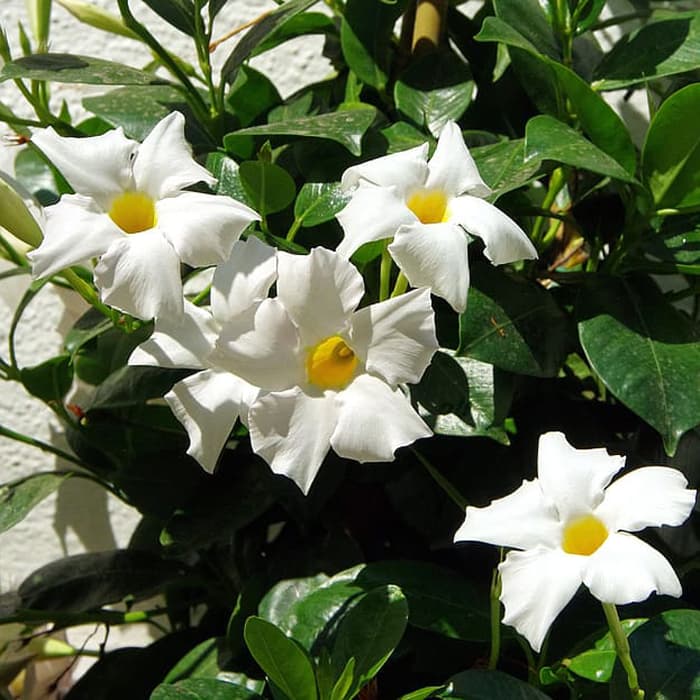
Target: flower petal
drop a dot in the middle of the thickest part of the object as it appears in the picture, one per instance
(405, 170)
(536, 587)
(319, 291)
(627, 570)
(574, 479)
(243, 279)
(372, 214)
(650, 496)
(374, 420)
(164, 163)
(183, 342)
(95, 166)
(262, 347)
(523, 519)
(207, 404)
(140, 274)
(202, 227)
(291, 432)
(505, 241)
(75, 231)
(435, 256)
(452, 168)
(396, 338)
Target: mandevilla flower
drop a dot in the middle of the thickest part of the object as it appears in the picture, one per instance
(426, 206)
(130, 210)
(574, 526)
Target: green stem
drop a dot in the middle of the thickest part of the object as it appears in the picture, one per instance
(27, 440)
(385, 273)
(557, 181)
(495, 615)
(441, 481)
(400, 286)
(88, 293)
(294, 228)
(623, 650)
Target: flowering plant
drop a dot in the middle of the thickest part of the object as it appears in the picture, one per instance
(317, 335)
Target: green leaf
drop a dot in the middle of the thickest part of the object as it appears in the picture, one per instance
(343, 685)
(199, 662)
(365, 37)
(284, 661)
(503, 165)
(49, 381)
(666, 654)
(677, 241)
(369, 632)
(345, 127)
(436, 88)
(252, 94)
(527, 18)
(270, 187)
(67, 68)
(86, 581)
(424, 693)
(512, 324)
(302, 24)
(17, 499)
(318, 202)
(589, 15)
(671, 155)
(203, 689)
(645, 351)
(490, 685)
(666, 47)
(402, 135)
(179, 13)
(259, 33)
(228, 179)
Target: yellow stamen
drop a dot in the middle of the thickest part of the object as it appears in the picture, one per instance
(430, 206)
(133, 212)
(584, 535)
(331, 363)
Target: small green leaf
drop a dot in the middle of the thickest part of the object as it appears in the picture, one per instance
(424, 693)
(49, 381)
(270, 187)
(199, 662)
(203, 689)
(17, 499)
(490, 685)
(179, 13)
(503, 165)
(67, 68)
(343, 686)
(228, 179)
(283, 660)
(528, 19)
(301, 24)
(252, 94)
(318, 202)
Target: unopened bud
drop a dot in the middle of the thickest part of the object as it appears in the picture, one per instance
(15, 215)
(90, 14)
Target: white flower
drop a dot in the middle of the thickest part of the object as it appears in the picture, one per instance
(130, 210)
(425, 207)
(328, 375)
(573, 526)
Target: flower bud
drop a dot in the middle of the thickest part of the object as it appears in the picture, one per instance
(15, 215)
(90, 14)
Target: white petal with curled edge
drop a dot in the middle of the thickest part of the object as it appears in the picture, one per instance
(95, 166)
(523, 519)
(374, 420)
(164, 163)
(202, 227)
(75, 231)
(243, 279)
(396, 338)
(262, 347)
(291, 431)
(208, 404)
(320, 291)
(373, 213)
(574, 479)
(405, 170)
(536, 586)
(649, 496)
(624, 569)
(452, 168)
(505, 241)
(140, 274)
(183, 342)
(435, 256)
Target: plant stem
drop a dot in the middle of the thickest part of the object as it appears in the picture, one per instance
(384, 273)
(27, 440)
(441, 481)
(495, 615)
(87, 292)
(623, 650)
(557, 181)
(400, 286)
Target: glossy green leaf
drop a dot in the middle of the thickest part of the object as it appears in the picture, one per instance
(199, 662)
(547, 138)
(490, 685)
(345, 127)
(401, 136)
(67, 68)
(203, 689)
(270, 187)
(369, 632)
(588, 16)
(512, 324)
(252, 94)
(343, 686)
(179, 13)
(365, 35)
(503, 165)
(284, 661)
(228, 178)
(528, 19)
(436, 88)
(645, 351)
(661, 48)
(303, 24)
(677, 240)
(671, 155)
(49, 381)
(424, 693)
(666, 654)
(18, 498)
(318, 202)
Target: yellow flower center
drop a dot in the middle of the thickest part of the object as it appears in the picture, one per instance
(430, 206)
(330, 364)
(584, 535)
(133, 212)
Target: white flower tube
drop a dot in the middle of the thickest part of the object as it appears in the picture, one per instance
(426, 206)
(574, 527)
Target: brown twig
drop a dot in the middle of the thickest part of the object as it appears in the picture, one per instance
(214, 44)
